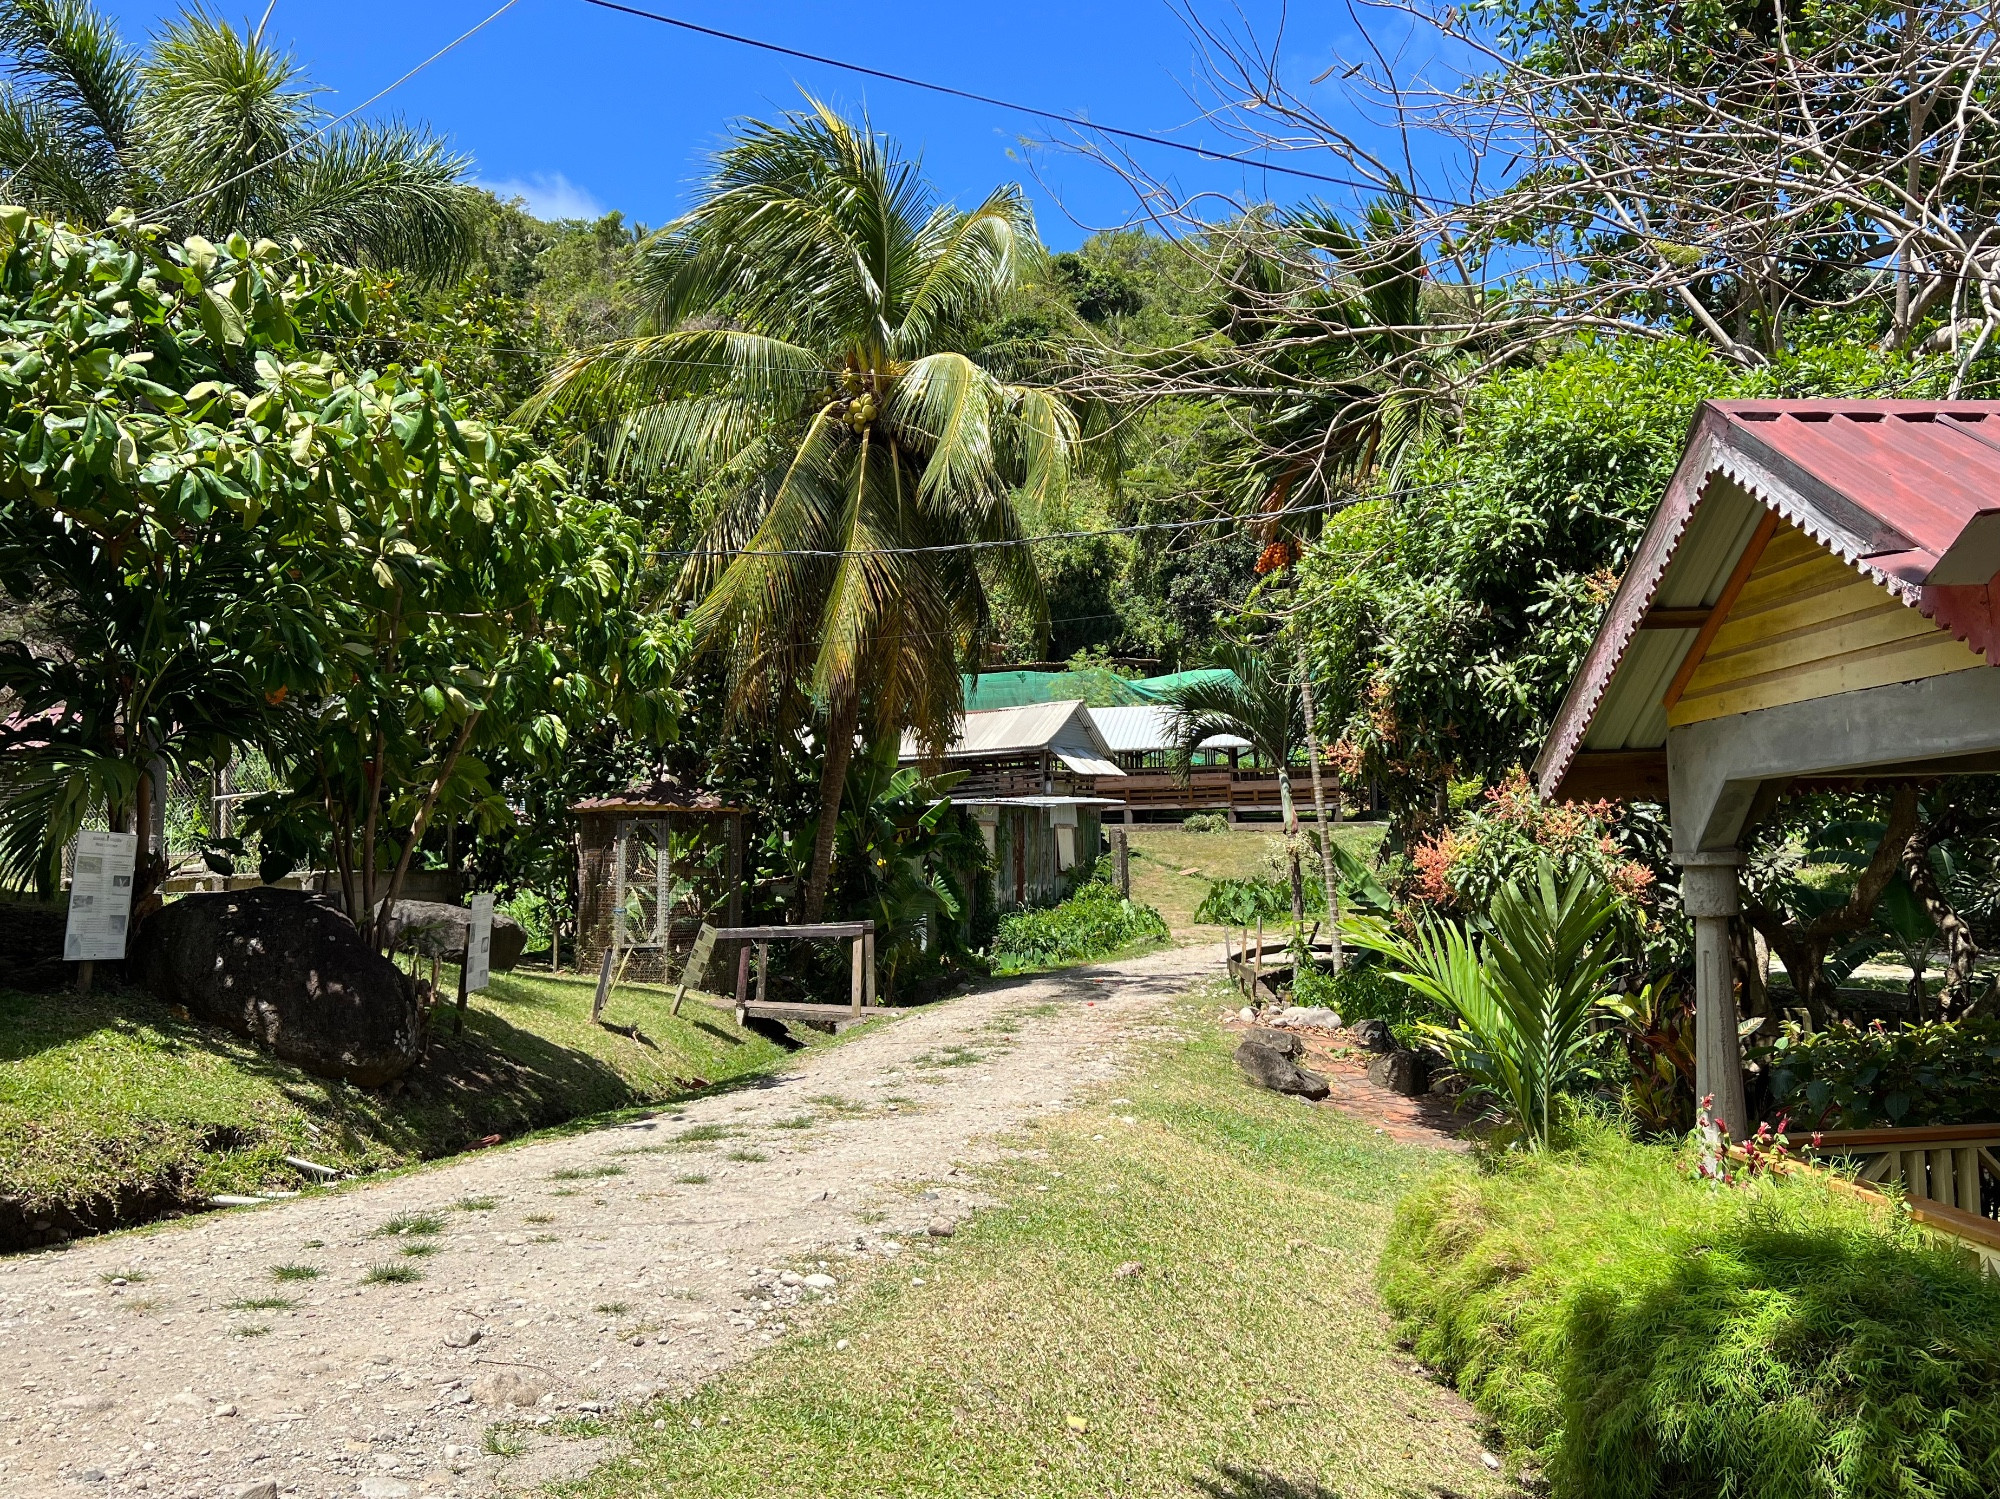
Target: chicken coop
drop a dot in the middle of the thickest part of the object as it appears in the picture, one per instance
(655, 864)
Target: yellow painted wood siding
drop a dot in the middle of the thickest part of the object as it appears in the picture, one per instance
(1807, 625)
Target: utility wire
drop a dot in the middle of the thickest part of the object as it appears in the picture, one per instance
(958, 93)
(334, 124)
(984, 546)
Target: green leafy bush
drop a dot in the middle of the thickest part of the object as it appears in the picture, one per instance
(1363, 990)
(1205, 822)
(1246, 902)
(1093, 923)
(1643, 1333)
(1847, 1077)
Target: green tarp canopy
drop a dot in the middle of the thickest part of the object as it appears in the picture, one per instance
(1013, 689)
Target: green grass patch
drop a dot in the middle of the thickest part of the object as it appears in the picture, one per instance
(111, 1095)
(585, 1173)
(296, 1272)
(419, 1250)
(1642, 1333)
(612, 1308)
(702, 1133)
(476, 1204)
(391, 1275)
(539, 1218)
(420, 1224)
(692, 1179)
(745, 1155)
(1240, 1354)
(263, 1304)
(1093, 924)
(795, 1121)
(250, 1331)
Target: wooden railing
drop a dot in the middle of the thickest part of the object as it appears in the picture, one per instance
(1206, 789)
(1946, 1173)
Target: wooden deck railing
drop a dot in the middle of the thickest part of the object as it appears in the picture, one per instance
(1946, 1172)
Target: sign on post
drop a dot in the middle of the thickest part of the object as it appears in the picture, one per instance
(100, 897)
(479, 944)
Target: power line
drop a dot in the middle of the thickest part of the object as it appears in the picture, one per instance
(984, 546)
(958, 93)
(334, 124)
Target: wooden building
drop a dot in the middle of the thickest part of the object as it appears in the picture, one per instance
(1038, 780)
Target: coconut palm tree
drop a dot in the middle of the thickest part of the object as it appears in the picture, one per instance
(215, 131)
(812, 359)
(1253, 699)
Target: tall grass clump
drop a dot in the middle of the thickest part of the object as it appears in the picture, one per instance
(1095, 922)
(1644, 1334)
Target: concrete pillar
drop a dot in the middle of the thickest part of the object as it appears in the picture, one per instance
(1708, 891)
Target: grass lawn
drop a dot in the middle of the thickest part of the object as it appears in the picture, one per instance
(112, 1097)
(1161, 851)
(1175, 1298)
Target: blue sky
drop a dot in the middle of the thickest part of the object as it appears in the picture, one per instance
(581, 110)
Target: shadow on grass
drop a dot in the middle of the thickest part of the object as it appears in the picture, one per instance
(1234, 1481)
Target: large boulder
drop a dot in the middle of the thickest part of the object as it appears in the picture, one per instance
(1266, 1059)
(432, 929)
(1400, 1072)
(288, 970)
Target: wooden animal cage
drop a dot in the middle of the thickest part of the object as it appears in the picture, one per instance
(655, 865)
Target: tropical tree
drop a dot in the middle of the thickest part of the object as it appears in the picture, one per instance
(212, 132)
(1253, 699)
(812, 359)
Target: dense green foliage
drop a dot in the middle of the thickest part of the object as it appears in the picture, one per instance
(1854, 1077)
(1095, 922)
(1644, 1334)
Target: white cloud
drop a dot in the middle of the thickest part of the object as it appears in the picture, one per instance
(549, 195)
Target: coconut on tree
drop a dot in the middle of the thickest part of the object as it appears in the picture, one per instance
(812, 356)
(214, 131)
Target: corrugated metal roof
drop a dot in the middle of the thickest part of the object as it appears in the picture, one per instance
(1065, 729)
(1145, 729)
(1908, 492)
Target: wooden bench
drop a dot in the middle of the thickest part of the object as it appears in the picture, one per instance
(861, 996)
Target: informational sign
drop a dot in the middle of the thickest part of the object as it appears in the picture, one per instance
(479, 944)
(100, 897)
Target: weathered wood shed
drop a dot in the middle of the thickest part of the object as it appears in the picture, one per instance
(1813, 600)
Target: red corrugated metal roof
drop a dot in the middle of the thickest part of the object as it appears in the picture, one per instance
(1907, 491)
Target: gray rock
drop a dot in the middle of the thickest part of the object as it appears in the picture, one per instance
(1283, 1043)
(941, 1228)
(432, 929)
(1373, 1035)
(378, 1487)
(1268, 1067)
(463, 1334)
(289, 971)
(262, 1488)
(516, 1387)
(1400, 1072)
(1310, 1017)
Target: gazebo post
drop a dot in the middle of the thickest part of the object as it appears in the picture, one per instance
(1709, 893)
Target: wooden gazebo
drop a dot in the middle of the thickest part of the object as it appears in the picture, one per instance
(1813, 600)
(654, 864)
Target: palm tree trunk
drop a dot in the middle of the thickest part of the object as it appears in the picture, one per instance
(841, 718)
(1292, 848)
(1319, 804)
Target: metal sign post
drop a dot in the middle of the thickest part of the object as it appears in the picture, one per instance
(479, 944)
(100, 901)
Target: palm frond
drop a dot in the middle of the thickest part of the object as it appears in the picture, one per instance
(381, 194)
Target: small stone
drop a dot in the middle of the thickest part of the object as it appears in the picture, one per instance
(841, 1346)
(1490, 1460)
(1246, 1015)
(91, 1475)
(820, 1282)
(1130, 1270)
(1373, 1035)
(791, 1278)
(463, 1334)
(265, 1488)
(511, 1387)
(378, 1487)
(941, 1228)
(225, 1409)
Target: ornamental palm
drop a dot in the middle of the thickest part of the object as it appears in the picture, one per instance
(1251, 699)
(813, 360)
(214, 132)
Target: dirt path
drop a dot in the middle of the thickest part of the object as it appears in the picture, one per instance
(558, 1279)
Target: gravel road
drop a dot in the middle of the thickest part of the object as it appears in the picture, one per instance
(545, 1283)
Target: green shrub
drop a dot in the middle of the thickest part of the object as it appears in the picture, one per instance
(1093, 923)
(1246, 902)
(1363, 990)
(1205, 822)
(1847, 1077)
(1642, 1333)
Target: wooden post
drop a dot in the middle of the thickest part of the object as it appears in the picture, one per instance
(1257, 968)
(742, 974)
(603, 988)
(868, 967)
(458, 1019)
(733, 914)
(84, 972)
(763, 968)
(1121, 850)
(854, 986)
